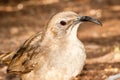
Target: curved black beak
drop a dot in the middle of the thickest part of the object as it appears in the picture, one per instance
(89, 19)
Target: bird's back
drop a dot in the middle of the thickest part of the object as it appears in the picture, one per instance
(24, 54)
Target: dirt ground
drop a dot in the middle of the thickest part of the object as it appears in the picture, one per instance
(18, 21)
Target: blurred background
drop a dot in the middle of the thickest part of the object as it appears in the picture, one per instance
(19, 19)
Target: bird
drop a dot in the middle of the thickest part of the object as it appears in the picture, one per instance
(56, 53)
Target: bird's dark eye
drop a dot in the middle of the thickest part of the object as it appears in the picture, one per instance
(63, 23)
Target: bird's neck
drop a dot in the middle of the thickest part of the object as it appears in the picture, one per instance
(72, 34)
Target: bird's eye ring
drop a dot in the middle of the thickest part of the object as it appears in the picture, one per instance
(63, 23)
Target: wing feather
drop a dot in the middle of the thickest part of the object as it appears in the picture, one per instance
(24, 54)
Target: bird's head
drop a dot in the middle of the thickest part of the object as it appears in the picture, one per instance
(67, 23)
